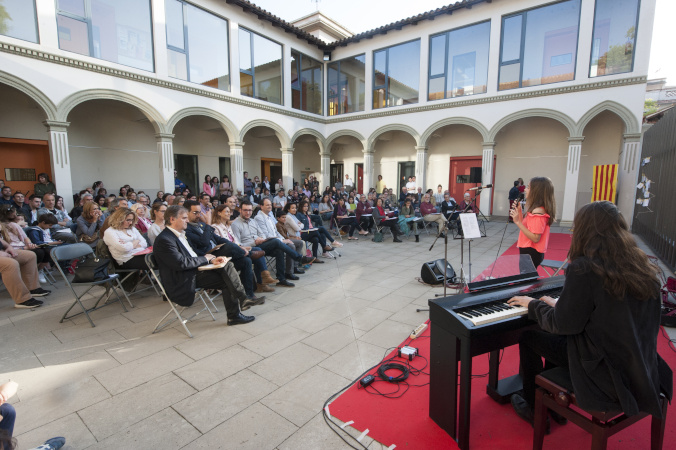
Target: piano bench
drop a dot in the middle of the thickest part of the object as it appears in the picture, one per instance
(554, 391)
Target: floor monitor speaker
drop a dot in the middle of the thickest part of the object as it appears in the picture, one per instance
(433, 272)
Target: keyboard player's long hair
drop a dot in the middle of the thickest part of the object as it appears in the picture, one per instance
(601, 235)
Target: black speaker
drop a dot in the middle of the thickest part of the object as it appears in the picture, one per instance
(475, 175)
(433, 272)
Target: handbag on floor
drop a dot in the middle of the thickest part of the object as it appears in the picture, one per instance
(377, 237)
(91, 269)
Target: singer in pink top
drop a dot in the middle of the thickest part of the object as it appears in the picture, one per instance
(540, 214)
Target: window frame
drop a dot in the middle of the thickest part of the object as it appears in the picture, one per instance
(339, 62)
(252, 73)
(524, 21)
(322, 66)
(387, 69)
(591, 50)
(88, 21)
(447, 35)
(37, 28)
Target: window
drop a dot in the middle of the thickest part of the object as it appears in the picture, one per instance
(197, 45)
(539, 46)
(18, 19)
(306, 83)
(396, 75)
(119, 31)
(459, 62)
(260, 67)
(614, 39)
(346, 90)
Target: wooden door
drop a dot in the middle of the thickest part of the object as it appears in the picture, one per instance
(359, 177)
(458, 182)
(21, 160)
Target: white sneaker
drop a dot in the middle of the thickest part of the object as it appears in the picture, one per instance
(41, 277)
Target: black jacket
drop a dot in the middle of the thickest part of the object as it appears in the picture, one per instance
(178, 270)
(202, 238)
(612, 344)
(514, 193)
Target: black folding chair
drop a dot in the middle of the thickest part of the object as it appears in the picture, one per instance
(201, 293)
(67, 253)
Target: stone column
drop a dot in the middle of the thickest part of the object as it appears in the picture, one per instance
(572, 175)
(287, 167)
(165, 148)
(421, 167)
(629, 168)
(59, 155)
(368, 170)
(325, 176)
(486, 195)
(237, 166)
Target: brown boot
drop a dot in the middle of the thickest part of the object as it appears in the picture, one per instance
(267, 278)
(263, 288)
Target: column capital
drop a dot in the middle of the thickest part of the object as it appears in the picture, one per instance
(55, 125)
(236, 144)
(287, 149)
(421, 148)
(325, 154)
(164, 137)
(368, 150)
(490, 144)
(575, 139)
(632, 137)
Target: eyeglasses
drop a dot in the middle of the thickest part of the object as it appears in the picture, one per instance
(195, 212)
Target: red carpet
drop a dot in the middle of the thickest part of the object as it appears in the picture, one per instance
(405, 423)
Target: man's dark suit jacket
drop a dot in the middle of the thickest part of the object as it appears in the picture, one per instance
(178, 270)
(201, 242)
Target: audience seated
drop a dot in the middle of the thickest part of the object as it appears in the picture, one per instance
(408, 219)
(430, 214)
(279, 201)
(297, 242)
(363, 215)
(19, 270)
(43, 186)
(89, 224)
(157, 215)
(381, 218)
(343, 219)
(448, 205)
(62, 230)
(303, 215)
(325, 208)
(124, 240)
(143, 224)
(267, 226)
(17, 238)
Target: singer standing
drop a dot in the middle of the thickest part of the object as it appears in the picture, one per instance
(540, 214)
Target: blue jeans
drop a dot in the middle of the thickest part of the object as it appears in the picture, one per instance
(259, 265)
(8, 417)
(276, 248)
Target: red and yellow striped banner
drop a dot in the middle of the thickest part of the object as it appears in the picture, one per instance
(605, 183)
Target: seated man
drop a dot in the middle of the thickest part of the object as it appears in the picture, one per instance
(267, 226)
(203, 238)
(448, 206)
(178, 265)
(430, 214)
(19, 270)
(32, 209)
(18, 203)
(247, 232)
(61, 230)
(279, 201)
(363, 214)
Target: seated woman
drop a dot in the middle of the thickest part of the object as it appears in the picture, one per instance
(295, 228)
(341, 216)
(407, 220)
(14, 235)
(157, 215)
(351, 205)
(303, 216)
(297, 242)
(325, 208)
(314, 204)
(143, 224)
(604, 326)
(89, 223)
(221, 220)
(380, 218)
(124, 240)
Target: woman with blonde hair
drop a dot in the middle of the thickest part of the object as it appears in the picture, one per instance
(540, 215)
(89, 223)
(124, 240)
(142, 223)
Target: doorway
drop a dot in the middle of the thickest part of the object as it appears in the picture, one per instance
(336, 174)
(406, 169)
(186, 166)
(463, 175)
(224, 167)
(359, 177)
(21, 160)
(271, 168)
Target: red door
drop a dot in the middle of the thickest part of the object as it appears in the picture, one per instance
(360, 177)
(21, 160)
(458, 182)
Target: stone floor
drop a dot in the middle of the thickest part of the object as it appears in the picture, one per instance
(255, 386)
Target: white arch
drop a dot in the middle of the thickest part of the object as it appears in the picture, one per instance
(631, 125)
(478, 126)
(321, 142)
(283, 137)
(229, 127)
(333, 136)
(48, 107)
(537, 112)
(67, 104)
(392, 127)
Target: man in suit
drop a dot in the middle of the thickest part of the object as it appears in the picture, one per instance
(202, 238)
(178, 265)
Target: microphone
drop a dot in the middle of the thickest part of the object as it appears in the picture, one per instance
(480, 187)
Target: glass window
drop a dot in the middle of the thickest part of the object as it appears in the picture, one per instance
(396, 76)
(614, 37)
(347, 90)
(306, 83)
(264, 80)
(197, 45)
(459, 62)
(539, 46)
(18, 19)
(119, 31)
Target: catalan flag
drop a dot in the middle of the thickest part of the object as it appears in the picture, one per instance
(605, 183)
